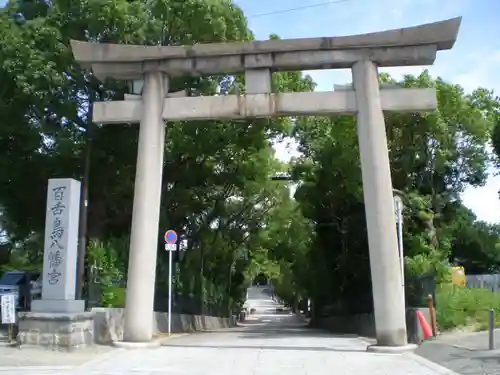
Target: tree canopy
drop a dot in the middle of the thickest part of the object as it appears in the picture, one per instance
(217, 187)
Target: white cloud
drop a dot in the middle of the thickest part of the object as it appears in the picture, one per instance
(484, 201)
(484, 70)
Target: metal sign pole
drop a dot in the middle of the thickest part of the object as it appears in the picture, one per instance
(170, 292)
(10, 331)
(398, 203)
(401, 255)
(171, 246)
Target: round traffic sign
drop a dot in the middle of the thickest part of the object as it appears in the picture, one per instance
(170, 236)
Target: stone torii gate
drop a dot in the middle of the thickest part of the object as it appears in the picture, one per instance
(258, 59)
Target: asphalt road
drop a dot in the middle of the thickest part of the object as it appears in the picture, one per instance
(464, 353)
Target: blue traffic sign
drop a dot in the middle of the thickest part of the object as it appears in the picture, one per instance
(170, 236)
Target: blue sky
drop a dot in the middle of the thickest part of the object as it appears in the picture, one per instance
(473, 62)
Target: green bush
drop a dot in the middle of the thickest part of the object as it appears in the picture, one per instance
(113, 296)
(458, 306)
(107, 271)
(427, 264)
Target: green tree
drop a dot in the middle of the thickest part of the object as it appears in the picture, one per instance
(434, 156)
(216, 188)
(217, 191)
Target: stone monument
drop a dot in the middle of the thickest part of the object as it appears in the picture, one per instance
(58, 320)
(152, 66)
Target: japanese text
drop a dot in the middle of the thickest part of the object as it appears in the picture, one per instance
(55, 256)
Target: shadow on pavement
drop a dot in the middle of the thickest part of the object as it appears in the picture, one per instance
(251, 322)
(268, 347)
(290, 332)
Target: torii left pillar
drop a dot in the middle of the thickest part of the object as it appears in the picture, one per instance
(146, 212)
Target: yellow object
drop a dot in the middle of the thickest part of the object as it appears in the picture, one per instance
(458, 276)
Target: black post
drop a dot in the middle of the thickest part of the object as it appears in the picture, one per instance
(82, 229)
(25, 293)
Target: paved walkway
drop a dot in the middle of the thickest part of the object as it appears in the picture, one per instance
(266, 345)
(464, 353)
(269, 343)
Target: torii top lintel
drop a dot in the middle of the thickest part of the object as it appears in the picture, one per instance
(400, 47)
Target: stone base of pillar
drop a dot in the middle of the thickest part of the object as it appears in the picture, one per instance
(60, 331)
(136, 345)
(69, 306)
(391, 349)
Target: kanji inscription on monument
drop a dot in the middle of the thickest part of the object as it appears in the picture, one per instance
(61, 239)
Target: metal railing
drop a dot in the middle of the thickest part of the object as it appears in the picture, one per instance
(491, 282)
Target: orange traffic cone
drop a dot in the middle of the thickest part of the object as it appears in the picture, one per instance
(426, 328)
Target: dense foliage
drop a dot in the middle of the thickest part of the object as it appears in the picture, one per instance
(217, 190)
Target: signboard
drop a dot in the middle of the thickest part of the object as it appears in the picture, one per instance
(183, 245)
(398, 208)
(170, 236)
(170, 247)
(8, 306)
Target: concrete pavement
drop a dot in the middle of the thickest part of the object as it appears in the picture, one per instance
(268, 343)
(464, 353)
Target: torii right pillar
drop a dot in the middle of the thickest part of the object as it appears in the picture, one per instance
(388, 295)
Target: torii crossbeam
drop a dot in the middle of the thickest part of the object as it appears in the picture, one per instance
(264, 105)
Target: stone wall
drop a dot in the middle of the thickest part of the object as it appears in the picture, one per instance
(360, 324)
(109, 322)
(364, 324)
(62, 331)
